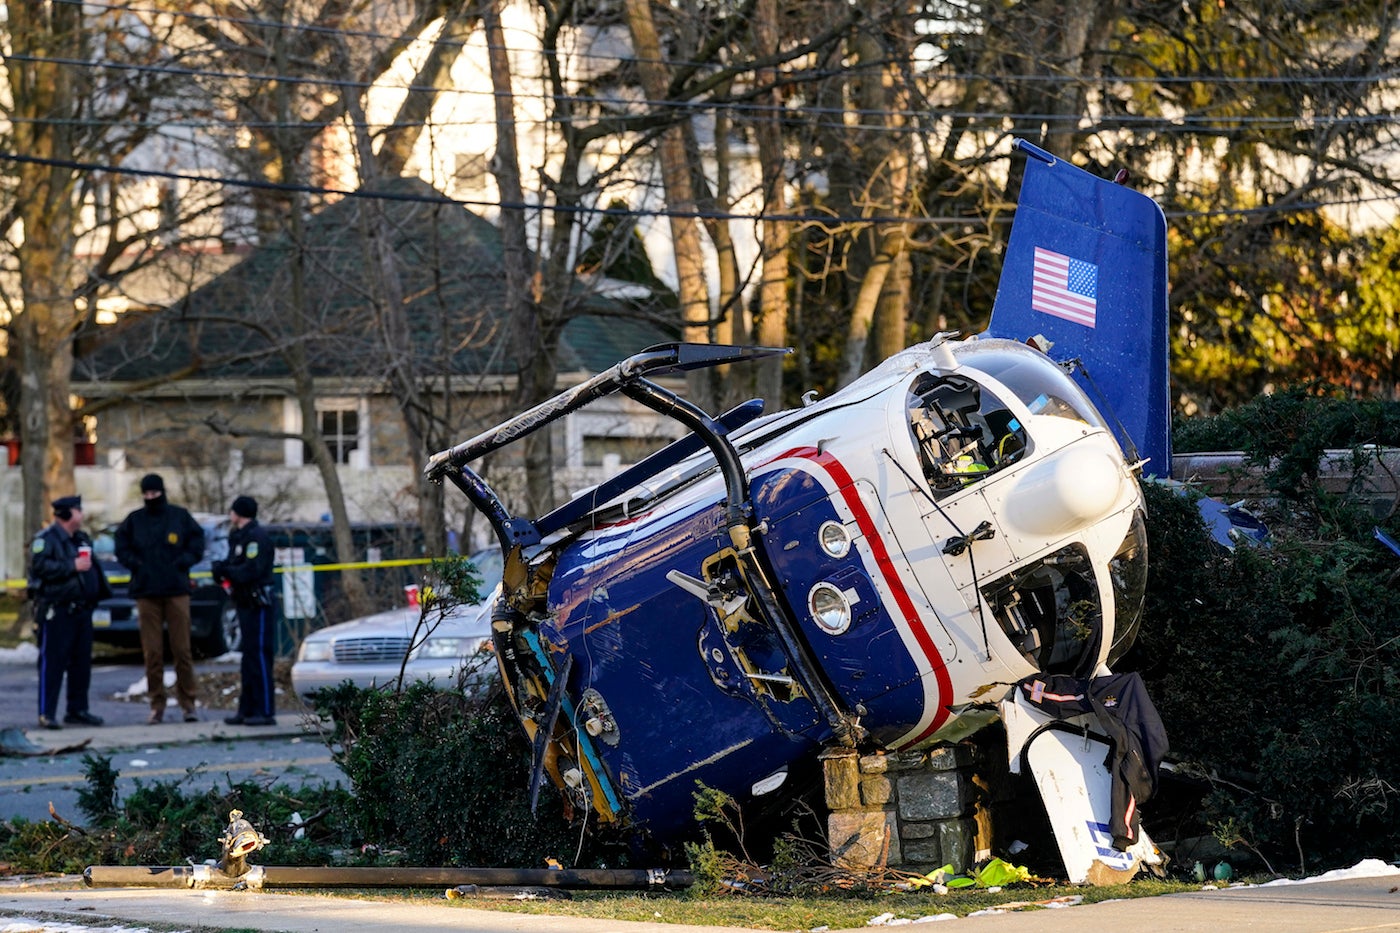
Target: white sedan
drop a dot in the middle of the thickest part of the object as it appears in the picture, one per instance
(448, 648)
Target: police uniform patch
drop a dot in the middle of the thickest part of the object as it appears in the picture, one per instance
(252, 550)
(38, 546)
(173, 538)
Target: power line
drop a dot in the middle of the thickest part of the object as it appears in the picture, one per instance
(813, 219)
(1110, 121)
(809, 219)
(1313, 79)
(732, 107)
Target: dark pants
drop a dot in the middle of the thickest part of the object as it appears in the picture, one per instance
(65, 646)
(169, 615)
(255, 623)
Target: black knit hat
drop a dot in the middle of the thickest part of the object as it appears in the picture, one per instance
(152, 482)
(246, 506)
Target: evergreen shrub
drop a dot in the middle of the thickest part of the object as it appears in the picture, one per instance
(442, 777)
(1276, 669)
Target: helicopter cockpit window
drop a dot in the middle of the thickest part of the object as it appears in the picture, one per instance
(1055, 406)
(1051, 612)
(1128, 571)
(1043, 386)
(963, 431)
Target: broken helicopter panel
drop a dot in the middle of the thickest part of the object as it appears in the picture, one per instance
(877, 568)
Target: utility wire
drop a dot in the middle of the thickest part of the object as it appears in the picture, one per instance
(1290, 122)
(811, 220)
(1320, 79)
(733, 108)
(814, 219)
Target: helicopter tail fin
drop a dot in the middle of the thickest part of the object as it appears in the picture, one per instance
(1085, 275)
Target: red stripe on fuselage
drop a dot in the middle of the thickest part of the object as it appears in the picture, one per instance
(887, 570)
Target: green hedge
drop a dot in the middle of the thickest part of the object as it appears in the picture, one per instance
(1277, 669)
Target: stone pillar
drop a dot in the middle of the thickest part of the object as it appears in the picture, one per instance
(908, 810)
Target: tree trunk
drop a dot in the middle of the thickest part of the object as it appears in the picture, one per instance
(892, 318)
(44, 94)
(872, 288)
(388, 309)
(884, 160)
(680, 194)
(535, 359)
(771, 325)
(352, 582)
(729, 325)
(434, 77)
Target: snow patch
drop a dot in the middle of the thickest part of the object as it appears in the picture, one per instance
(25, 925)
(23, 653)
(1366, 868)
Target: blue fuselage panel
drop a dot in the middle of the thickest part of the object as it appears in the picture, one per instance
(868, 665)
(664, 659)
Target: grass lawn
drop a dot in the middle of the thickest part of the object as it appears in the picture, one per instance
(835, 912)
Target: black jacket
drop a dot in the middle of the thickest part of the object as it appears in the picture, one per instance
(159, 546)
(249, 564)
(1124, 711)
(51, 572)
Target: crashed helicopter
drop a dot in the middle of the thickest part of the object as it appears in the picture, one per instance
(879, 568)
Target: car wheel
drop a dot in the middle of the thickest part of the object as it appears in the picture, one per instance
(228, 621)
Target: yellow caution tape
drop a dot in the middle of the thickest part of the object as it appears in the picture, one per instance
(300, 568)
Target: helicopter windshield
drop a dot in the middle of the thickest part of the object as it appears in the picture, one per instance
(1128, 571)
(1051, 611)
(1033, 377)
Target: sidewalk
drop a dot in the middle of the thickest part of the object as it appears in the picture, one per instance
(124, 709)
(211, 727)
(1350, 904)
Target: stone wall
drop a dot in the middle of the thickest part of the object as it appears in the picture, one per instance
(915, 811)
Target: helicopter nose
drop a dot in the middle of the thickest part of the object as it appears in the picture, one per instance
(1065, 492)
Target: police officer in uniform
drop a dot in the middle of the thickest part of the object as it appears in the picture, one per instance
(249, 571)
(67, 584)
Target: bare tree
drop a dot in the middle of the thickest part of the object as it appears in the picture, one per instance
(298, 68)
(80, 105)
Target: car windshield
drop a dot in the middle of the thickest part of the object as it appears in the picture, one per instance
(488, 564)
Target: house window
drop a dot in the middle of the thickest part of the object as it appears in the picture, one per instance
(340, 427)
(469, 172)
(342, 422)
(613, 435)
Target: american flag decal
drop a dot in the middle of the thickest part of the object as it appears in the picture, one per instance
(1065, 287)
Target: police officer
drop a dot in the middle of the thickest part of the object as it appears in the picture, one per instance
(249, 571)
(67, 584)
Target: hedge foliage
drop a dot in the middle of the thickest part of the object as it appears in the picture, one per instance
(442, 776)
(165, 823)
(437, 778)
(1277, 669)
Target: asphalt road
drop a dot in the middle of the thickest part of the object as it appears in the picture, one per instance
(198, 755)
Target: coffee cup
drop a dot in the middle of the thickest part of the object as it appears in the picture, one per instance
(84, 551)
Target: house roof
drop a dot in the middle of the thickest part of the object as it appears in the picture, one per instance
(243, 324)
